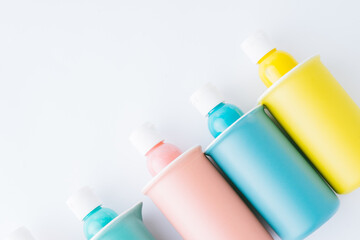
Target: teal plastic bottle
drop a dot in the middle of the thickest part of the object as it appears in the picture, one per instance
(266, 167)
(221, 117)
(96, 220)
(105, 224)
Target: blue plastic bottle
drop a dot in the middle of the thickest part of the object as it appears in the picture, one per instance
(266, 167)
(221, 117)
(96, 220)
(105, 224)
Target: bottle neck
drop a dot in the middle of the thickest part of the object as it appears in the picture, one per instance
(96, 220)
(266, 56)
(92, 212)
(274, 65)
(161, 156)
(222, 117)
(153, 149)
(220, 105)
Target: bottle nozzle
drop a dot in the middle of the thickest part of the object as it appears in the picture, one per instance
(206, 98)
(256, 46)
(83, 202)
(145, 138)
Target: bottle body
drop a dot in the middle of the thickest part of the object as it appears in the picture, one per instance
(160, 156)
(221, 117)
(196, 199)
(322, 119)
(275, 178)
(128, 225)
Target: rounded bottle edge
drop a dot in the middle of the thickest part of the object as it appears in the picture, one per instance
(169, 168)
(298, 67)
(118, 218)
(218, 138)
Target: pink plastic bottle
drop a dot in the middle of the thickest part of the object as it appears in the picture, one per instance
(149, 143)
(192, 194)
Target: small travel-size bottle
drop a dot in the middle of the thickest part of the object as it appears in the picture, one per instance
(314, 110)
(105, 224)
(192, 194)
(266, 167)
(21, 233)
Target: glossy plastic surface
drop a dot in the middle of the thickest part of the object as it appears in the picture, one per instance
(128, 225)
(274, 65)
(221, 117)
(322, 119)
(273, 176)
(160, 156)
(97, 220)
(200, 203)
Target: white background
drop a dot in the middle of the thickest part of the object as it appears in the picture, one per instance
(77, 76)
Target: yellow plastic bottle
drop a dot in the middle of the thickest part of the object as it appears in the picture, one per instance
(313, 108)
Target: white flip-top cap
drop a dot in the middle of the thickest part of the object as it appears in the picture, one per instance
(206, 98)
(145, 138)
(257, 46)
(83, 202)
(21, 233)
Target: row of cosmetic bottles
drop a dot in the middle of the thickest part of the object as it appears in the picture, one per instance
(282, 160)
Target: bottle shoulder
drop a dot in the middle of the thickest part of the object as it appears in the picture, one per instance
(249, 119)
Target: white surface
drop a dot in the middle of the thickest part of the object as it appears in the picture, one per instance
(21, 233)
(206, 98)
(145, 137)
(77, 76)
(83, 202)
